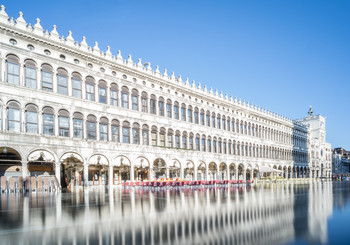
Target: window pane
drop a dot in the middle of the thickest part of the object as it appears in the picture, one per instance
(126, 138)
(46, 81)
(62, 84)
(90, 92)
(30, 77)
(103, 132)
(78, 128)
(91, 130)
(114, 98)
(48, 123)
(76, 85)
(134, 100)
(102, 92)
(125, 101)
(115, 133)
(136, 136)
(32, 122)
(63, 123)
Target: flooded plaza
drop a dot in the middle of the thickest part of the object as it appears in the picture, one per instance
(314, 213)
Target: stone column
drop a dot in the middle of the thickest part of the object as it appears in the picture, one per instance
(228, 177)
(244, 175)
(58, 172)
(4, 118)
(236, 174)
(86, 175)
(40, 123)
(206, 172)
(150, 175)
(132, 177)
(218, 177)
(110, 176)
(24, 169)
(71, 133)
(23, 120)
(182, 173)
(195, 172)
(54, 81)
(38, 79)
(167, 172)
(251, 174)
(21, 74)
(56, 124)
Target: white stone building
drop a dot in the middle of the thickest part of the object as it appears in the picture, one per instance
(92, 118)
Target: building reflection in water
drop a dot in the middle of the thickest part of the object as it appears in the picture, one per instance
(274, 214)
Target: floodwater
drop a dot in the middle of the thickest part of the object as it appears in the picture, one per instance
(314, 213)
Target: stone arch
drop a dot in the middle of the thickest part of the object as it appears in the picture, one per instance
(201, 171)
(41, 162)
(212, 171)
(223, 171)
(141, 168)
(189, 170)
(159, 168)
(10, 162)
(71, 169)
(121, 165)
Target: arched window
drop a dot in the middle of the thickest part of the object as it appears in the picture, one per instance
(161, 106)
(90, 88)
(189, 114)
(91, 127)
(135, 100)
(218, 121)
(152, 104)
(76, 85)
(234, 148)
(196, 119)
(46, 78)
(203, 143)
(223, 122)
(170, 137)
(237, 126)
(202, 117)
(115, 130)
(12, 69)
(214, 145)
(48, 121)
(144, 102)
(229, 147)
(183, 112)
(177, 139)
(78, 125)
(162, 137)
(125, 97)
(62, 81)
(114, 94)
(154, 135)
(63, 123)
(184, 140)
(224, 149)
(31, 119)
(190, 141)
(30, 73)
(209, 144)
(102, 92)
(219, 146)
(176, 110)
(103, 129)
(145, 134)
(213, 120)
(228, 124)
(136, 133)
(207, 117)
(168, 108)
(14, 117)
(126, 132)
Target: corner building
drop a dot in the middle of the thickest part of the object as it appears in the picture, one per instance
(92, 118)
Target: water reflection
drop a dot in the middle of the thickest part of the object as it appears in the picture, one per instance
(270, 214)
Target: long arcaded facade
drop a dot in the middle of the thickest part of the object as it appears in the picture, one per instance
(92, 118)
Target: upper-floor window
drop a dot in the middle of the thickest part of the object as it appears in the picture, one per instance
(90, 88)
(207, 117)
(63, 123)
(183, 112)
(152, 105)
(91, 127)
(184, 140)
(78, 125)
(14, 117)
(209, 145)
(168, 108)
(161, 106)
(218, 122)
(48, 121)
(102, 92)
(176, 110)
(177, 140)
(144, 103)
(196, 119)
(154, 136)
(162, 137)
(190, 142)
(213, 120)
(125, 97)
(114, 94)
(115, 130)
(203, 144)
(12, 69)
(62, 81)
(46, 78)
(202, 118)
(135, 100)
(145, 135)
(126, 132)
(30, 74)
(76, 85)
(136, 133)
(189, 114)
(103, 129)
(31, 119)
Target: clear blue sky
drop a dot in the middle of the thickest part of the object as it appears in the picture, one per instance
(282, 55)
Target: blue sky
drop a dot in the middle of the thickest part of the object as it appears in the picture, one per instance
(282, 55)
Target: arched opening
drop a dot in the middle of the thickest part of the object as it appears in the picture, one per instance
(72, 170)
(98, 170)
(212, 171)
(121, 169)
(189, 171)
(159, 168)
(232, 171)
(241, 172)
(223, 171)
(10, 162)
(174, 169)
(41, 162)
(201, 171)
(141, 168)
